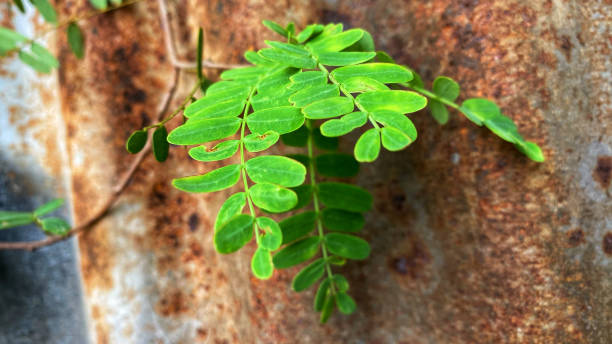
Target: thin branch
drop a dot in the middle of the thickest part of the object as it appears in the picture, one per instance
(117, 190)
(171, 49)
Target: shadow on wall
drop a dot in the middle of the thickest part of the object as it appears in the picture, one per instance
(40, 292)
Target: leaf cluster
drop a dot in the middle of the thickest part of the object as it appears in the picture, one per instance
(319, 84)
(34, 54)
(50, 225)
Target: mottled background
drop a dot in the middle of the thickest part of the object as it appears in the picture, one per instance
(472, 242)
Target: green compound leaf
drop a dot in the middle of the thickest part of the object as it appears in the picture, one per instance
(230, 208)
(288, 48)
(243, 74)
(276, 169)
(298, 226)
(504, 127)
(341, 220)
(328, 308)
(347, 246)
(448, 89)
(360, 84)
(366, 43)
(324, 142)
(345, 196)
(298, 138)
(382, 56)
(321, 294)
(199, 53)
(272, 238)
(330, 107)
(478, 110)
(222, 150)
(283, 120)
(399, 131)
(257, 143)
(336, 42)
(531, 150)
(438, 111)
(345, 303)
(382, 72)
(40, 59)
(262, 101)
(257, 59)
(344, 125)
(46, 10)
(216, 180)
(272, 198)
(19, 5)
(337, 165)
(304, 194)
(335, 260)
(297, 253)
(228, 108)
(398, 101)
(204, 130)
(9, 40)
(99, 4)
(236, 233)
(308, 275)
(303, 80)
(309, 31)
(290, 28)
(314, 93)
(136, 142)
(276, 81)
(160, 144)
(48, 207)
(10, 219)
(368, 146)
(261, 263)
(394, 139)
(75, 40)
(341, 283)
(275, 27)
(55, 226)
(287, 58)
(301, 158)
(345, 58)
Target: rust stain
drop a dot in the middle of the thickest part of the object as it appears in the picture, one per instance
(603, 171)
(607, 243)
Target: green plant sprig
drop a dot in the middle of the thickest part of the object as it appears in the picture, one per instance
(50, 225)
(38, 57)
(323, 74)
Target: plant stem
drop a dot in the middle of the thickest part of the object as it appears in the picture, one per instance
(315, 200)
(242, 166)
(431, 95)
(178, 110)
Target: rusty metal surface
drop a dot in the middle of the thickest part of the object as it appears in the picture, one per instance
(471, 242)
(40, 292)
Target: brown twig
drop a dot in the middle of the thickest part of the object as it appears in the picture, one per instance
(171, 49)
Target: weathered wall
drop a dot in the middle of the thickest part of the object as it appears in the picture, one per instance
(472, 243)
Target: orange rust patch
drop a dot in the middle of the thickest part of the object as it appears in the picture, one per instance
(172, 303)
